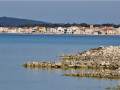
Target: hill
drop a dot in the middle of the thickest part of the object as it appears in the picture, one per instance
(9, 21)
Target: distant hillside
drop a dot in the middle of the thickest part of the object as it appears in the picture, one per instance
(8, 21)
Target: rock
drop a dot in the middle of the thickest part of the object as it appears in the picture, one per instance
(112, 74)
(101, 57)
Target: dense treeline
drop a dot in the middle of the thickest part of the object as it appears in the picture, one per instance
(109, 25)
(1, 25)
(68, 25)
(56, 25)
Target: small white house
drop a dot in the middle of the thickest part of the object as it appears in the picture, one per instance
(68, 31)
(117, 31)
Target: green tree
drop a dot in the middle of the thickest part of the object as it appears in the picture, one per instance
(1, 25)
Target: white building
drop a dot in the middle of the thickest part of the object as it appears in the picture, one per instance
(88, 31)
(60, 30)
(118, 31)
(20, 30)
(77, 31)
(1, 29)
(12, 30)
(5, 30)
(68, 31)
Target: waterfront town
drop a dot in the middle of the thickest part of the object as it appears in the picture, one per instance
(102, 30)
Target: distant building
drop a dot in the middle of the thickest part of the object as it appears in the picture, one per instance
(60, 30)
(77, 31)
(95, 33)
(91, 26)
(102, 30)
(88, 31)
(68, 31)
(1, 29)
(110, 31)
(118, 31)
(11, 30)
(41, 30)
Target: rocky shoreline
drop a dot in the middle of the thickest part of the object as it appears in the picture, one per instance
(104, 73)
(104, 58)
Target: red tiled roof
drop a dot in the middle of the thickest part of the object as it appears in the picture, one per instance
(25, 28)
(10, 28)
(103, 27)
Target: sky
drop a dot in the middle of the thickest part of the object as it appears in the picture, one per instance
(91, 12)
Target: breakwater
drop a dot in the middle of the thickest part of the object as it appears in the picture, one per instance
(99, 58)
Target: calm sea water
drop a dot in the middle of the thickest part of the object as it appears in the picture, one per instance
(17, 49)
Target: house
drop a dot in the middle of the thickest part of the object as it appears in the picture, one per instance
(110, 31)
(1, 29)
(41, 30)
(88, 31)
(60, 30)
(5, 30)
(11, 30)
(55, 30)
(103, 30)
(91, 27)
(95, 33)
(117, 31)
(25, 30)
(20, 30)
(77, 31)
(103, 27)
(49, 30)
(68, 31)
(74, 28)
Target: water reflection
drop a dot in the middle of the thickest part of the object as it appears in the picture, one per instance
(72, 70)
(99, 82)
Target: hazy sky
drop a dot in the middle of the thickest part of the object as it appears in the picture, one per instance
(92, 12)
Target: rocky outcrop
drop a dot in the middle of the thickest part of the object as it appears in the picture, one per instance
(112, 74)
(104, 57)
(101, 57)
(63, 64)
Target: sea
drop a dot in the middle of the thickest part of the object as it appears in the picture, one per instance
(17, 49)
